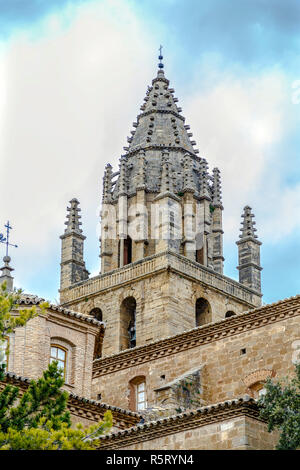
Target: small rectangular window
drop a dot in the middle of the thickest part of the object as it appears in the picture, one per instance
(141, 396)
(60, 355)
(3, 352)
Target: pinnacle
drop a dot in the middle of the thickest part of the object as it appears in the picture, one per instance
(217, 193)
(73, 217)
(188, 182)
(122, 177)
(248, 229)
(204, 186)
(107, 183)
(166, 179)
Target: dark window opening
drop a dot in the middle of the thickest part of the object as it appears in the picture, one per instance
(128, 324)
(200, 256)
(230, 313)
(127, 251)
(96, 313)
(203, 312)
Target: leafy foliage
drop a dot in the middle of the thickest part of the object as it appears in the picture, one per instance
(10, 301)
(45, 437)
(42, 400)
(37, 419)
(280, 406)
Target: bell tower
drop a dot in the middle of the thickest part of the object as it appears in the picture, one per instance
(161, 236)
(163, 196)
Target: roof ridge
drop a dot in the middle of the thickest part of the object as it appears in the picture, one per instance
(177, 416)
(35, 300)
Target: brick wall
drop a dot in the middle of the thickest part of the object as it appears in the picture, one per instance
(30, 349)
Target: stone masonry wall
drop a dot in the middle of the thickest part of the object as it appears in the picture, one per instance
(165, 300)
(226, 362)
(165, 306)
(241, 433)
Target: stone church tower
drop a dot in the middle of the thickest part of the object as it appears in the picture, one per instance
(176, 350)
(161, 237)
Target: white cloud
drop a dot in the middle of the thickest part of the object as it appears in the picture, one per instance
(68, 100)
(239, 122)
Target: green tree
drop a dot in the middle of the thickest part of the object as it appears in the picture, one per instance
(12, 317)
(38, 419)
(280, 407)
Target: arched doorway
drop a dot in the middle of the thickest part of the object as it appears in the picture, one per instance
(203, 312)
(128, 323)
(96, 313)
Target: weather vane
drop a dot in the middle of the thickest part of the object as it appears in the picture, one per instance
(6, 239)
(160, 58)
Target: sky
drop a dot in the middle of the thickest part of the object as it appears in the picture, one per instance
(73, 74)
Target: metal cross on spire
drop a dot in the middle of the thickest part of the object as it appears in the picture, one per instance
(6, 240)
(160, 58)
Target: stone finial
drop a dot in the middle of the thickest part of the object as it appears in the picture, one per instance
(188, 182)
(166, 179)
(249, 253)
(204, 187)
(107, 183)
(6, 274)
(73, 218)
(217, 193)
(248, 229)
(123, 177)
(141, 184)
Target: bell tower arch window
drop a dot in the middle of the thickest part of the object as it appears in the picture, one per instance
(203, 312)
(127, 250)
(230, 313)
(128, 323)
(96, 313)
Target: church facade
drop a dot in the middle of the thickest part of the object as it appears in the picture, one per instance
(178, 351)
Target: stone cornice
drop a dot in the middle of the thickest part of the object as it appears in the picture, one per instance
(72, 233)
(196, 337)
(248, 239)
(82, 407)
(175, 148)
(245, 407)
(157, 263)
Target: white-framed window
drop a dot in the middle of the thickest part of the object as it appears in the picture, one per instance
(141, 402)
(3, 352)
(59, 354)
